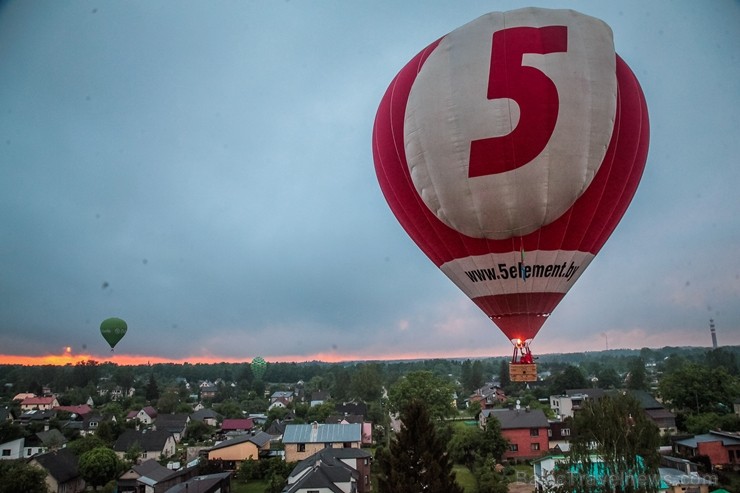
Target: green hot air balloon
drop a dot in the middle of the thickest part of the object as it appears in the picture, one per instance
(259, 365)
(113, 330)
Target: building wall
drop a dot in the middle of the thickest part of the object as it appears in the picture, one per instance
(292, 453)
(11, 450)
(524, 441)
(714, 450)
(238, 452)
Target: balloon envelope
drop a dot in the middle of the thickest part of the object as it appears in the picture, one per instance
(509, 150)
(258, 366)
(113, 330)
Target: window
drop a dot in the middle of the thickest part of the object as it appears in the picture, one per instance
(347, 445)
(534, 432)
(327, 445)
(6, 452)
(534, 446)
(301, 447)
(549, 432)
(514, 447)
(565, 432)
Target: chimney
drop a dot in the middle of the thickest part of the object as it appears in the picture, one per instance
(713, 332)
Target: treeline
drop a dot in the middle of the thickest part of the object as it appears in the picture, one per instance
(638, 369)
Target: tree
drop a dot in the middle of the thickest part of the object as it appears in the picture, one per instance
(494, 443)
(608, 378)
(637, 379)
(617, 431)
(503, 374)
(366, 383)
(99, 465)
(197, 431)
(417, 459)
(167, 402)
(570, 378)
(152, 390)
(17, 475)
(85, 444)
(699, 388)
(425, 386)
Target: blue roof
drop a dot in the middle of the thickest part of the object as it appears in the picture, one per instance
(322, 433)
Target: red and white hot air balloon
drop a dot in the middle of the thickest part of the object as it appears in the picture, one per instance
(509, 150)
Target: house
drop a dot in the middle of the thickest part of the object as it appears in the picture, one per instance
(319, 397)
(61, 468)
(566, 405)
(352, 407)
(151, 477)
(487, 396)
(40, 418)
(12, 449)
(658, 414)
(174, 423)
(51, 439)
(208, 392)
(147, 473)
(23, 395)
(207, 416)
(234, 451)
(147, 415)
(287, 395)
(81, 410)
(119, 393)
(209, 483)
(551, 471)
(722, 448)
(39, 403)
(237, 426)
(525, 429)
(309, 473)
(276, 429)
(152, 444)
(23, 448)
(559, 435)
(304, 440)
(90, 423)
(280, 402)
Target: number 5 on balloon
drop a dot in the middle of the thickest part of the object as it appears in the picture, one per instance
(531, 89)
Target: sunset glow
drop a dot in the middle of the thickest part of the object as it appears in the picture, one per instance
(67, 358)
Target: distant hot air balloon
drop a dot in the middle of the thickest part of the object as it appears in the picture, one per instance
(509, 150)
(113, 330)
(259, 365)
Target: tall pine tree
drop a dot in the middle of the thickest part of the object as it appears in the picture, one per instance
(417, 460)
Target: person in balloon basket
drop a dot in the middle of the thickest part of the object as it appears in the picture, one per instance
(527, 358)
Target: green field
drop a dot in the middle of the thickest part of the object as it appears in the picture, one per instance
(253, 486)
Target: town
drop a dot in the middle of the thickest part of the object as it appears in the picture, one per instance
(304, 427)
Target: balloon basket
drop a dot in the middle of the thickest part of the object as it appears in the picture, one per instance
(523, 372)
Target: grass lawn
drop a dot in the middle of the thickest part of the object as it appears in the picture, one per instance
(253, 486)
(465, 478)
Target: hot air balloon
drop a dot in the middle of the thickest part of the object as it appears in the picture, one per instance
(258, 365)
(509, 149)
(113, 330)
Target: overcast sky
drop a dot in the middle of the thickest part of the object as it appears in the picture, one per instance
(204, 171)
